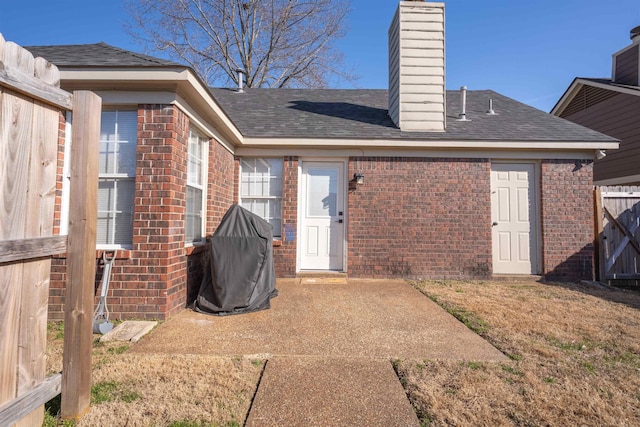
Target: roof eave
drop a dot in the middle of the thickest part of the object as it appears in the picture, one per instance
(428, 144)
(180, 79)
(579, 82)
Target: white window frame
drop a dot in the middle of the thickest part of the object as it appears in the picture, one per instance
(196, 134)
(117, 177)
(66, 176)
(277, 234)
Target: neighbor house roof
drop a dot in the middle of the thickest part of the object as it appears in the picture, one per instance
(362, 114)
(600, 83)
(97, 55)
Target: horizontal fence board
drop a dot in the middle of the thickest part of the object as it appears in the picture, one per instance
(33, 87)
(18, 408)
(24, 249)
(615, 195)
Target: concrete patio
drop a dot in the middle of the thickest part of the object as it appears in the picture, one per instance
(328, 348)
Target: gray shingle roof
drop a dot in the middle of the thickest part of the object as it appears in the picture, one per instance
(96, 55)
(336, 113)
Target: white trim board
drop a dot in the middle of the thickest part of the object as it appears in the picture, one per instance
(333, 153)
(418, 143)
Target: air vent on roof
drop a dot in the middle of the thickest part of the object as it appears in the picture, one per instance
(491, 111)
(463, 105)
(240, 72)
(635, 33)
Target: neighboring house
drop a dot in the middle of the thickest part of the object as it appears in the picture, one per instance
(371, 183)
(611, 106)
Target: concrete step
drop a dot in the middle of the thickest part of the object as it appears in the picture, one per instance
(320, 273)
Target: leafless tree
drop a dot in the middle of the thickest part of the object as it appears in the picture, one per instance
(278, 43)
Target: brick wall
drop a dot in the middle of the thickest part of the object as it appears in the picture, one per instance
(58, 273)
(419, 217)
(153, 279)
(221, 188)
(284, 254)
(566, 194)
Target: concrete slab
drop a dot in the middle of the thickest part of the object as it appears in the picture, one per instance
(381, 319)
(330, 392)
(130, 330)
(323, 280)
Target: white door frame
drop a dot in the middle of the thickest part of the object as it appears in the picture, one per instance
(345, 162)
(537, 220)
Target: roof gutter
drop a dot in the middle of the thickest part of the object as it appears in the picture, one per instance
(435, 144)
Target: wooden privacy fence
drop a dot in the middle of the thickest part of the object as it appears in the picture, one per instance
(618, 234)
(31, 104)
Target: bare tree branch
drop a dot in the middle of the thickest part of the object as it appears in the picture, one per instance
(278, 43)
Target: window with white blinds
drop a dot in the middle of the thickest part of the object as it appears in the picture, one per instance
(117, 172)
(261, 189)
(196, 186)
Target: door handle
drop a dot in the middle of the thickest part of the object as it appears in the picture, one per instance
(494, 224)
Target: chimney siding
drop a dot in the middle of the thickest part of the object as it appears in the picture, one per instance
(417, 67)
(627, 65)
(626, 62)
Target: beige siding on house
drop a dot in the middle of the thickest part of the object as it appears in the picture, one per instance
(617, 116)
(394, 70)
(627, 64)
(417, 67)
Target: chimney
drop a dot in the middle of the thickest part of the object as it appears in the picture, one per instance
(626, 62)
(416, 67)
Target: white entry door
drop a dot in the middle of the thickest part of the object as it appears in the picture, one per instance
(322, 216)
(514, 214)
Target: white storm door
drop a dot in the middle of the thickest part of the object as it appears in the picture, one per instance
(514, 213)
(322, 218)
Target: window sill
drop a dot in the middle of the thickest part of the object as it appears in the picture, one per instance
(195, 248)
(277, 242)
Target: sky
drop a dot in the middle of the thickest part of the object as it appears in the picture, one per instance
(527, 50)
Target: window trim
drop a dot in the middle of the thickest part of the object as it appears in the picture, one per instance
(204, 171)
(277, 234)
(121, 177)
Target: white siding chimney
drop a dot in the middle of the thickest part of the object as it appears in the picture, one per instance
(416, 67)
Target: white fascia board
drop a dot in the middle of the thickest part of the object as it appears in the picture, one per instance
(202, 124)
(566, 98)
(196, 87)
(438, 144)
(395, 152)
(181, 80)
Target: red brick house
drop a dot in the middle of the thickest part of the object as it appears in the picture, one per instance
(611, 106)
(414, 181)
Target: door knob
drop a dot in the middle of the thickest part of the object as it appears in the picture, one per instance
(494, 224)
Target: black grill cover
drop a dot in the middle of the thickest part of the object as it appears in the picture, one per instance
(241, 277)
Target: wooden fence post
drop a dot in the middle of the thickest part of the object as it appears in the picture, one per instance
(597, 198)
(76, 372)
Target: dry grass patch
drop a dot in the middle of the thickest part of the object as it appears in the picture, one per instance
(575, 357)
(161, 390)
